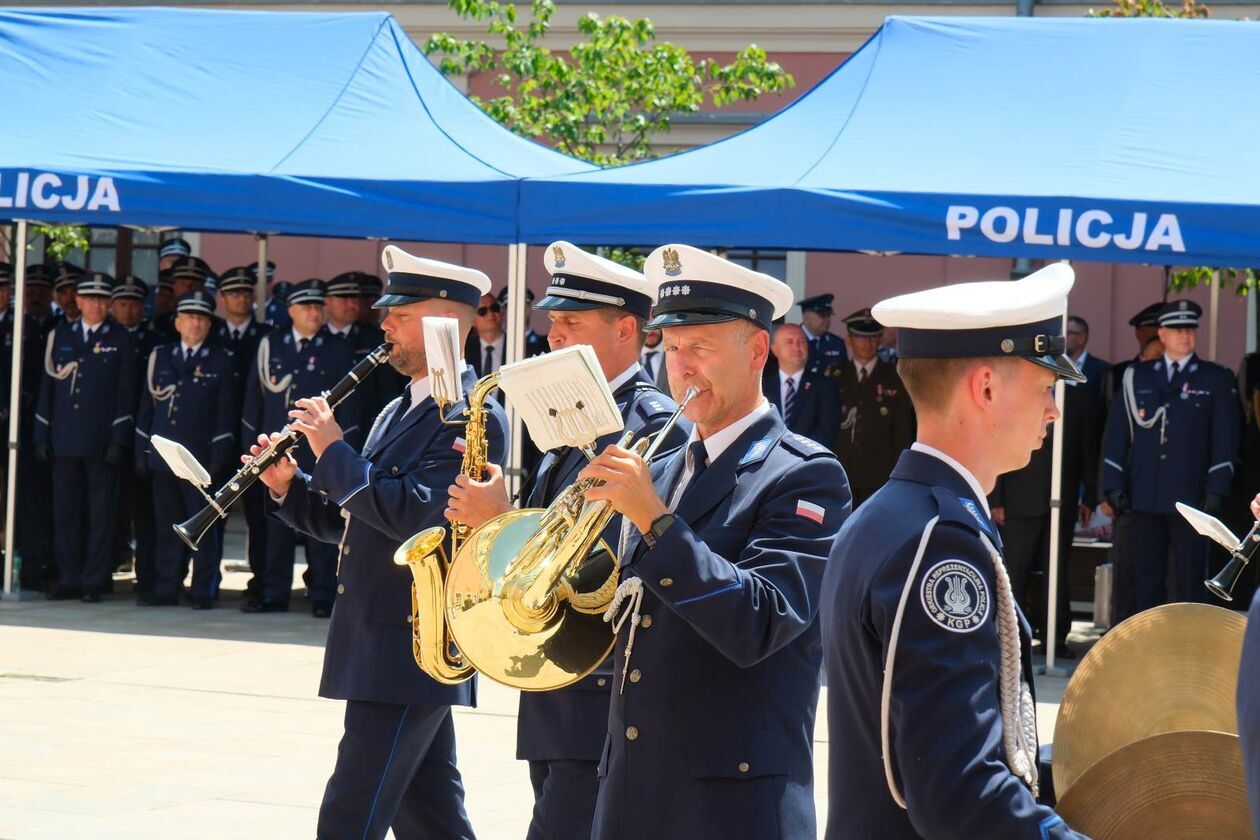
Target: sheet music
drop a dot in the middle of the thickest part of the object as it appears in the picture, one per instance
(562, 397)
(442, 350)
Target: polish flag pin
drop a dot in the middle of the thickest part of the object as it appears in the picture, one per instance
(460, 445)
(810, 511)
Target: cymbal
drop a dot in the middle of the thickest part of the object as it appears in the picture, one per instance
(1173, 786)
(1167, 669)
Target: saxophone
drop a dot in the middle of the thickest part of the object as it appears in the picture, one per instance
(426, 555)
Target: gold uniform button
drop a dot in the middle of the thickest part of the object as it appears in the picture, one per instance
(743, 767)
(645, 622)
(601, 682)
(635, 675)
(341, 589)
(667, 581)
(345, 552)
(632, 733)
(393, 470)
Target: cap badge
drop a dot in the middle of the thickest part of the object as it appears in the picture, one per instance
(558, 253)
(673, 265)
(1183, 306)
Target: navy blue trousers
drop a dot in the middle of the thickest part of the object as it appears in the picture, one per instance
(564, 799)
(173, 502)
(1152, 535)
(85, 497)
(321, 563)
(395, 769)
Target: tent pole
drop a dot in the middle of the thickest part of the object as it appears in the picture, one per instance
(1056, 517)
(1214, 316)
(517, 322)
(18, 303)
(260, 282)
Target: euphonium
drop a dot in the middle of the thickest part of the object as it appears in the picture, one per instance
(431, 641)
(525, 595)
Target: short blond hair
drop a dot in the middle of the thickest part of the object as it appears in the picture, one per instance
(931, 383)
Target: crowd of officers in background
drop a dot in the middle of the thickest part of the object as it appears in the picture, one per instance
(107, 365)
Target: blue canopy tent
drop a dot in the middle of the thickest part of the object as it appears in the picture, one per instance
(318, 124)
(263, 122)
(1123, 140)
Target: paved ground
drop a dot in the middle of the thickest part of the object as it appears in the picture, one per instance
(129, 722)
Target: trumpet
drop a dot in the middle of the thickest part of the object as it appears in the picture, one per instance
(526, 593)
(193, 529)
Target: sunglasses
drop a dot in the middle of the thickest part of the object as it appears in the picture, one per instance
(485, 310)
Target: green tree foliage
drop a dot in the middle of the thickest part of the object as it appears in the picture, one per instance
(611, 94)
(62, 239)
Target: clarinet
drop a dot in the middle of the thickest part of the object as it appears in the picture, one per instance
(192, 530)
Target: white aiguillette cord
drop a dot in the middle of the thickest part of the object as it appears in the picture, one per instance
(68, 370)
(1019, 712)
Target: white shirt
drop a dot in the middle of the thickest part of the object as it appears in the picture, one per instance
(83, 325)
(784, 378)
(339, 330)
(499, 345)
(1079, 361)
(1168, 362)
(869, 367)
(958, 468)
(715, 444)
(809, 336)
(189, 351)
(623, 377)
(238, 330)
(652, 360)
(298, 337)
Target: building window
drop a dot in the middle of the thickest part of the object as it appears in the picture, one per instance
(773, 263)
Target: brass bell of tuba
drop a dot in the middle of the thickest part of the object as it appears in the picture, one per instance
(425, 553)
(525, 595)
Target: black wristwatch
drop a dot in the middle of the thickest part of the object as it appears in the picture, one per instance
(660, 525)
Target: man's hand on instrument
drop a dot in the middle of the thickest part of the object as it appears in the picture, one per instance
(627, 485)
(1255, 506)
(313, 417)
(279, 475)
(476, 502)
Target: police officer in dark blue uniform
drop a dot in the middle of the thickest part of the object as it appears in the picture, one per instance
(39, 282)
(809, 403)
(135, 496)
(84, 422)
(826, 349)
(65, 287)
(39, 566)
(344, 305)
(239, 332)
(396, 763)
(188, 398)
(928, 669)
(716, 676)
(29, 540)
(878, 419)
(561, 733)
(172, 251)
(293, 363)
(1173, 438)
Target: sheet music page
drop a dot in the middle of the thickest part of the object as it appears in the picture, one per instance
(442, 351)
(563, 397)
